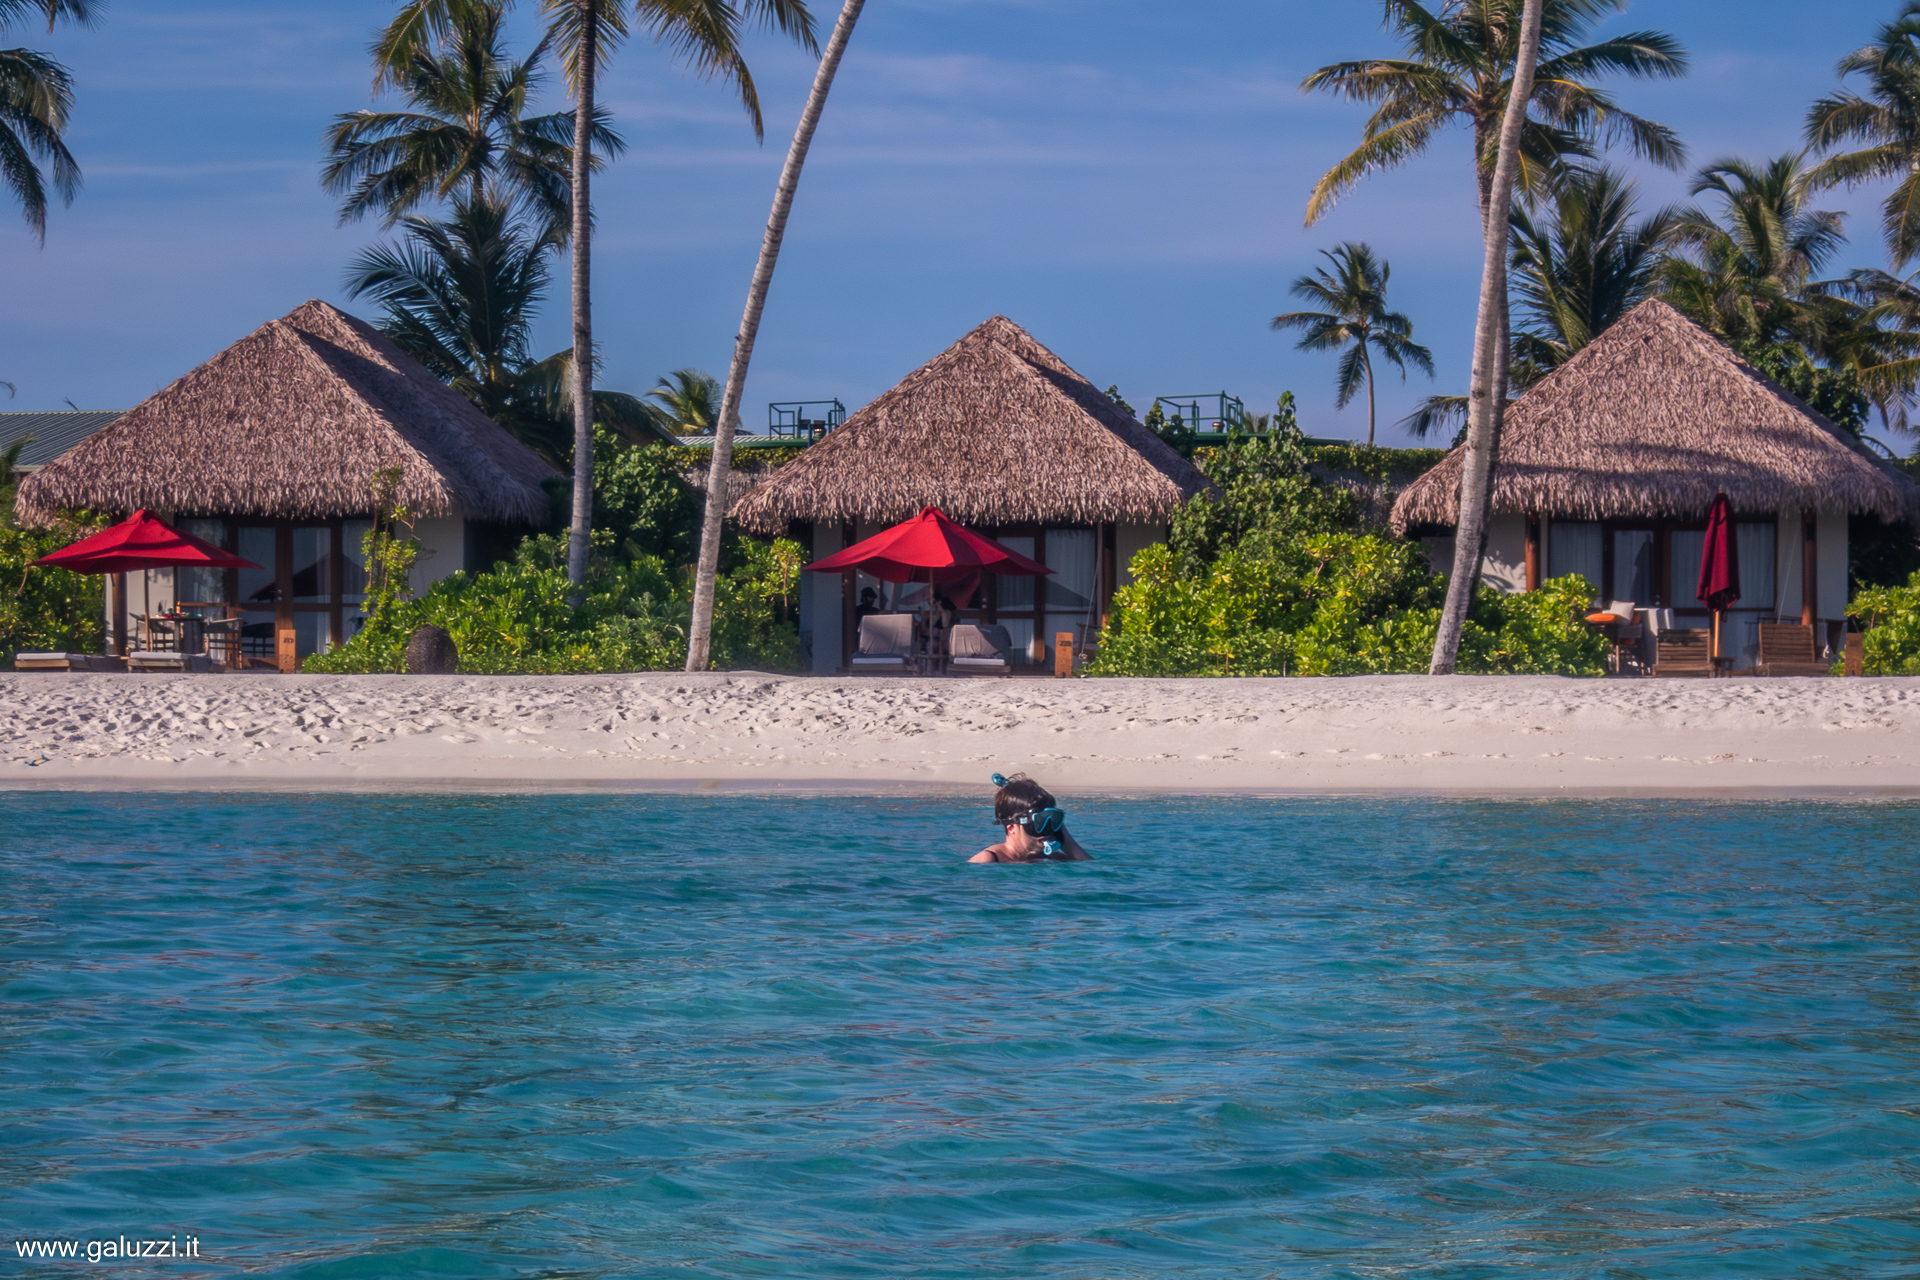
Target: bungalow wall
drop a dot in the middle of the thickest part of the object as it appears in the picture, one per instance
(1090, 562)
(315, 566)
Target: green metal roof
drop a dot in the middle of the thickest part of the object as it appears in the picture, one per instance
(52, 433)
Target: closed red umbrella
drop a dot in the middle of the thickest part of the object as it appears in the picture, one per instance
(142, 541)
(1719, 587)
(1720, 559)
(929, 548)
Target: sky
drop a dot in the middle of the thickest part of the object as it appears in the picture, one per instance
(1125, 179)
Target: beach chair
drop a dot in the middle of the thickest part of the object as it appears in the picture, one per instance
(223, 642)
(974, 649)
(1786, 649)
(51, 662)
(888, 646)
(166, 660)
(1683, 652)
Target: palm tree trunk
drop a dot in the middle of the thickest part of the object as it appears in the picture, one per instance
(700, 635)
(583, 298)
(1486, 397)
(1366, 363)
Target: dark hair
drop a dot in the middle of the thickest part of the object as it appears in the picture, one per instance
(867, 591)
(1018, 798)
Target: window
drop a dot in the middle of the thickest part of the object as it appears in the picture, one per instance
(1633, 565)
(1757, 565)
(1574, 546)
(1686, 546)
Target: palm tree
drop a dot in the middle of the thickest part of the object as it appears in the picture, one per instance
(36, 100)
(1487, 392)
(460, 297)
(1887, 121)
(1459, 68)
(1581, 266)
(707, 569)
(1355, 317)
(703, 33)
(690, 401)
(467, 129)
(1747, 274)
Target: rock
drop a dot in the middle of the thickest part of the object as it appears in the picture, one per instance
(430, 652)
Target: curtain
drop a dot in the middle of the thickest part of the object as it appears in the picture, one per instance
(1070, 554)
(1574, 546)
(1755, 540)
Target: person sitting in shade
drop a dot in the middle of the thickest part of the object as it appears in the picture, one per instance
(869, 604)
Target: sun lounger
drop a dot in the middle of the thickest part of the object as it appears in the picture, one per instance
(1786, 649)
(886, 646)
(51, 662)
(1683, 652)
(160, 660)
(976, 650)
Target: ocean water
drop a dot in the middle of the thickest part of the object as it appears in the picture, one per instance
(725, 1036)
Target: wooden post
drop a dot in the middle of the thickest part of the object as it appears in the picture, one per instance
(1809, 571)
(848, 637)
(286, 644)
(1533, 552)
(117, 608)
(1856, 653)
(1062, 654)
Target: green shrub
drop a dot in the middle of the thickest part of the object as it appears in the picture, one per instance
(1891, 646)
(632, 616)
(47, 610)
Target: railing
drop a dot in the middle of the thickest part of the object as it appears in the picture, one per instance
(1215, 412)
(804, 419)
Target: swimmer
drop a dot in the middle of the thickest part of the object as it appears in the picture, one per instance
(1036, 828)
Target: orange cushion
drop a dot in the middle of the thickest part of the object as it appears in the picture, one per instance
(1604, 619)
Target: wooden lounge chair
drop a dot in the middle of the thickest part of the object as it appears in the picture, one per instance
(888, 646)
(1683, 652)
(51, 662)
(973, 650)
(163, 660)
(1786, 649)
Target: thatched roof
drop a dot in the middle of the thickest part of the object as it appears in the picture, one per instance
(293, 421)
(1652, 419)
(994, 430)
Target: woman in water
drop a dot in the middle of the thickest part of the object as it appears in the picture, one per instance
(1036, 828)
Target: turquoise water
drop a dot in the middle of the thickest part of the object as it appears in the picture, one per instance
(651, 1036)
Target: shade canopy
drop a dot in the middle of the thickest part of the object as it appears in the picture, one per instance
(1719, 559)
(142, 541)
(929, 548)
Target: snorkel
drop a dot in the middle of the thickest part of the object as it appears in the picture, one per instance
(1045, 825)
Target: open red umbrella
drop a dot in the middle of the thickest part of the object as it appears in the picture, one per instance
(929, 548)
(142, 541)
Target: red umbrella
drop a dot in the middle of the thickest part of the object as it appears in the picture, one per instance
(929, 548)
(142, 541)
(1719, 559)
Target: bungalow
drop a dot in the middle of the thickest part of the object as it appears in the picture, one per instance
(1606, 468)
(1001, 435)
(271, 450)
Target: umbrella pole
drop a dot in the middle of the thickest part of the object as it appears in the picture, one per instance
(117, 608)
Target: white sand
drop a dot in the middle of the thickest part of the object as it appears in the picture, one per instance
(1462, 734)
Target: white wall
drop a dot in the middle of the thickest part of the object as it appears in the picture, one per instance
(824, 617)
(1503, 566)
(1130, 540)
(443, 543)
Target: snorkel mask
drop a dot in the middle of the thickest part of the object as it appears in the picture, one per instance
(1044, 825)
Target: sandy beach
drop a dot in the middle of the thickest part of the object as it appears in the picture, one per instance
(1472, 735)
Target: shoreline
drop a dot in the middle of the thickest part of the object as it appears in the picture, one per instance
(1506, 736)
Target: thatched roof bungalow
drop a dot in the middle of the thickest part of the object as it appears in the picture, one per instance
(1003, 436)
(271, 448)
(1607, 468)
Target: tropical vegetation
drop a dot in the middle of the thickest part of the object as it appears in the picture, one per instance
(36, 103)
(1354, 319)
(1281, 575)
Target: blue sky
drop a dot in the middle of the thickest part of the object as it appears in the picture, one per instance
(1124, 178)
